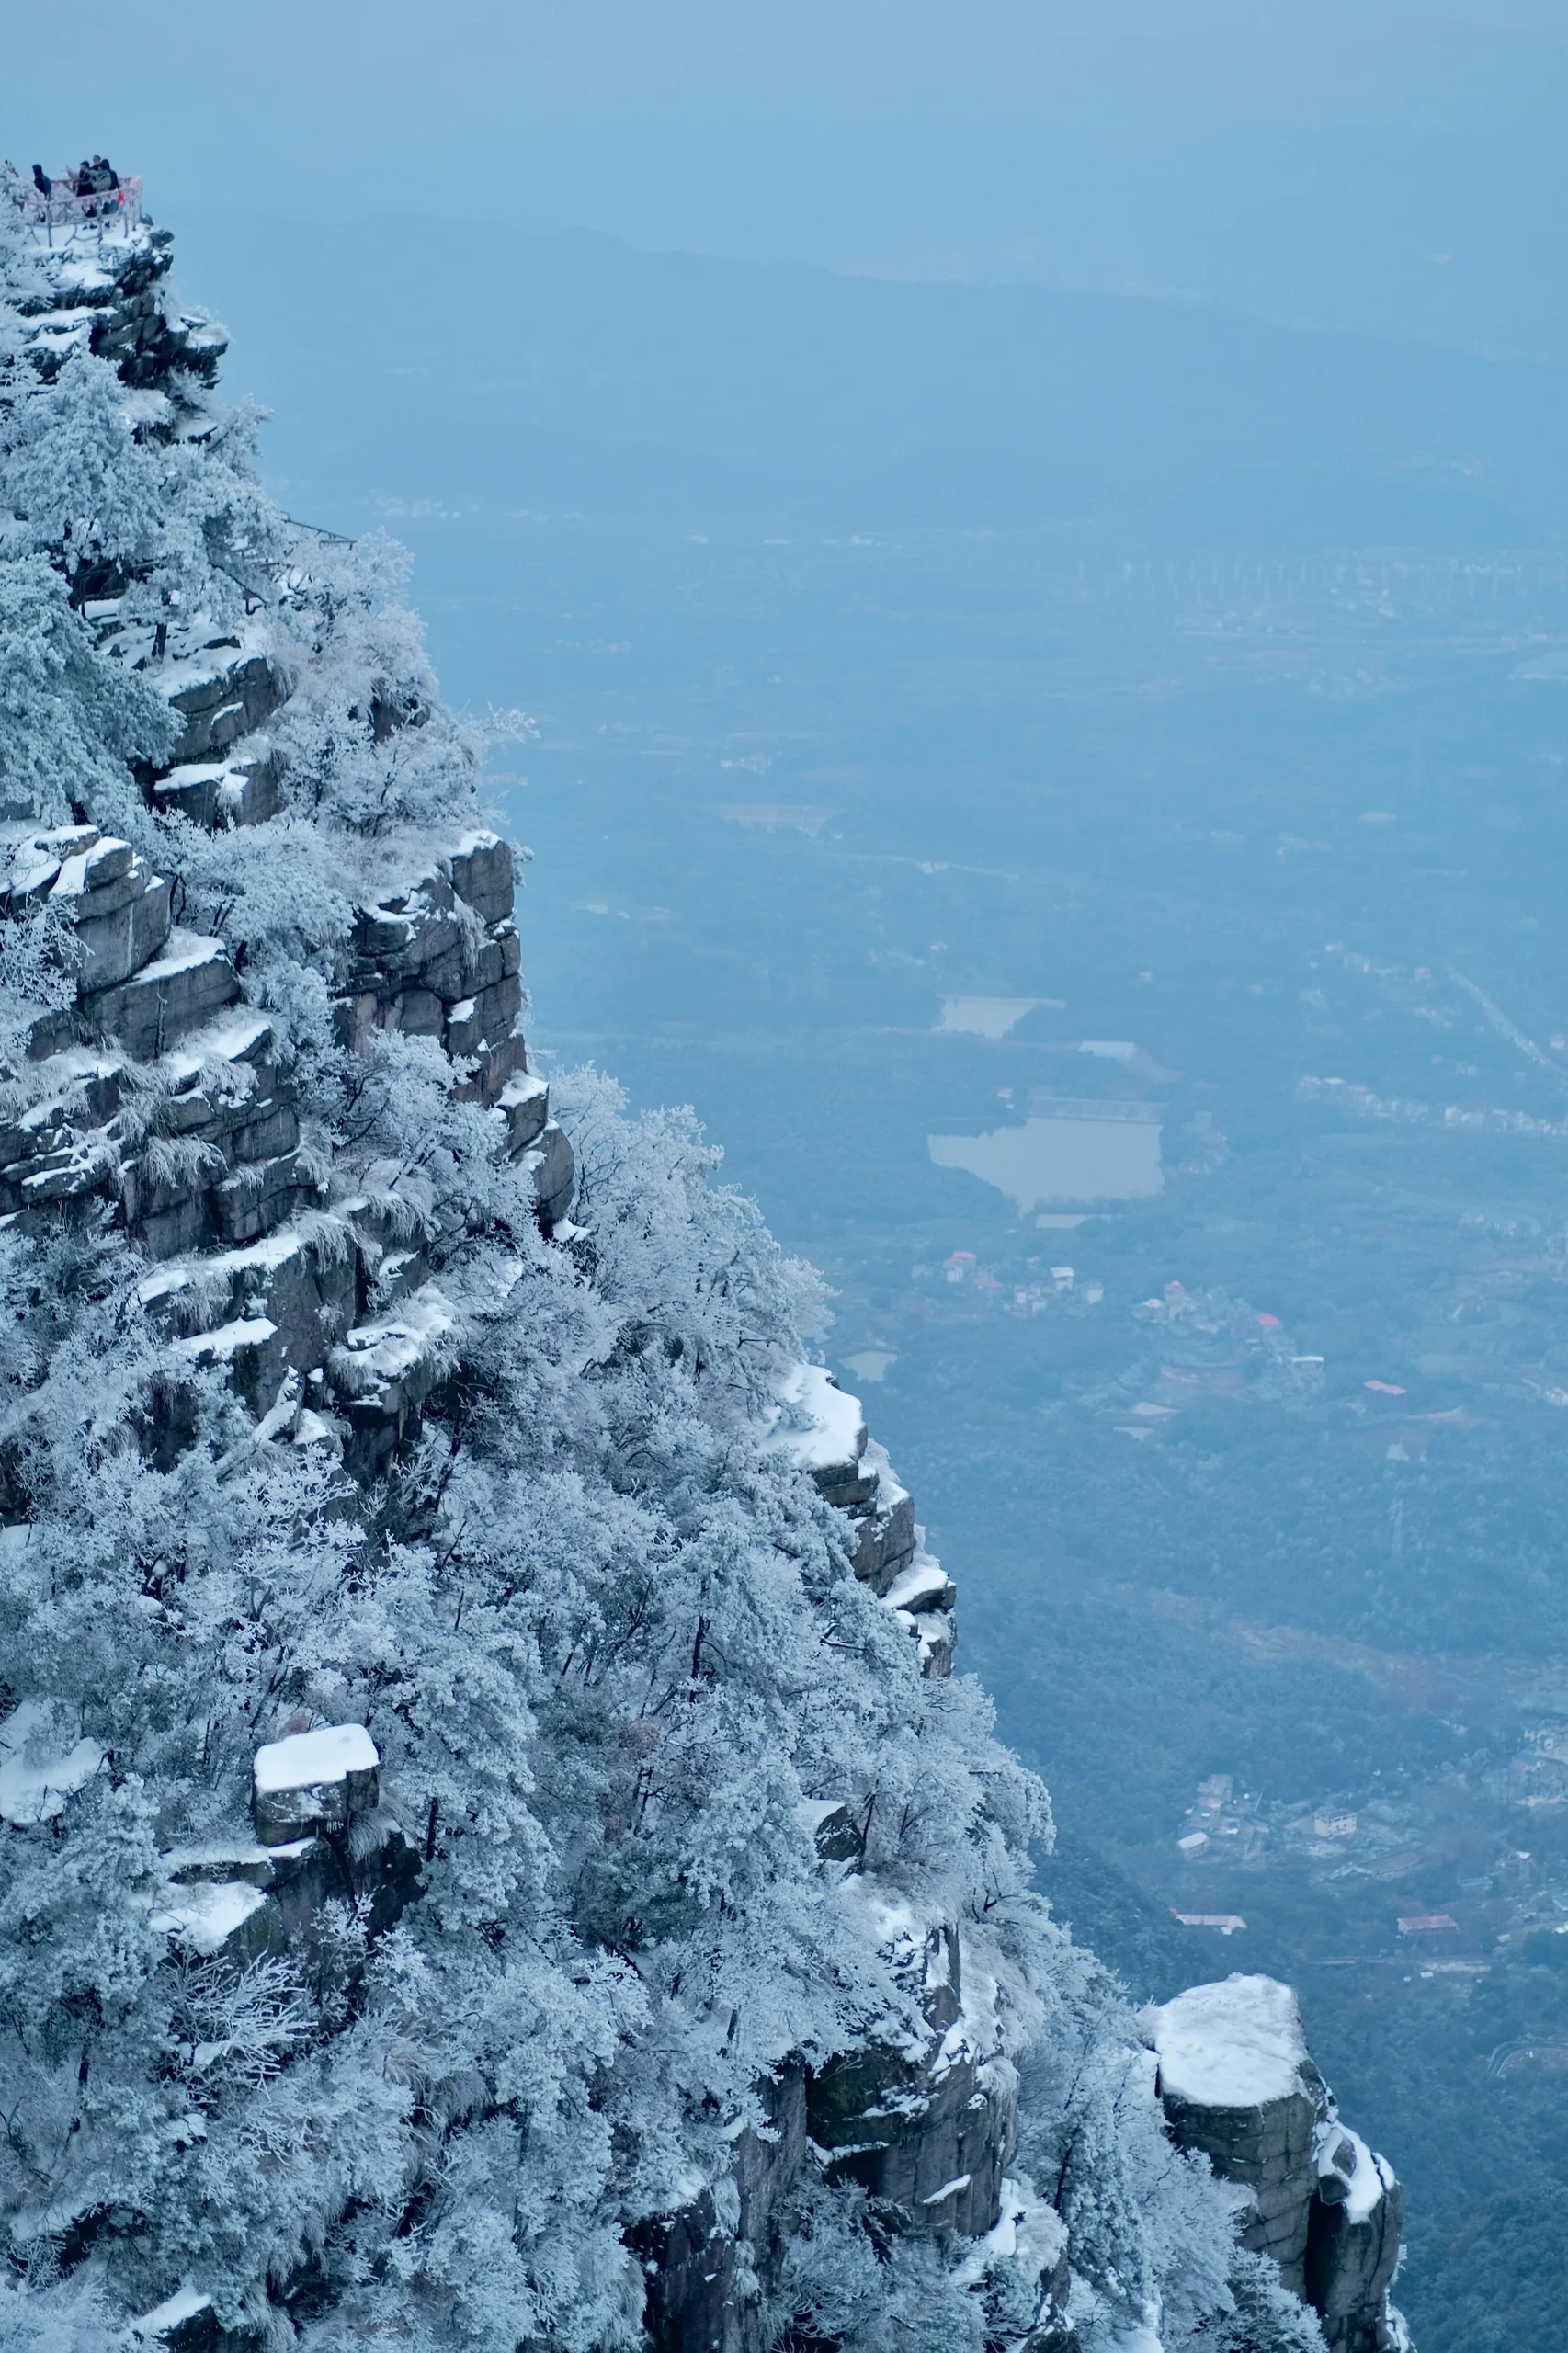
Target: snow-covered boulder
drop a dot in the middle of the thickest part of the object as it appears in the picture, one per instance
(313, 1780)
(824, 1432)
(230, 1921)
(480, 870)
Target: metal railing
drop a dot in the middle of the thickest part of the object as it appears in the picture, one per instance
(100, 211)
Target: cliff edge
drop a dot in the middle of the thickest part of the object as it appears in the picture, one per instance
(494, 1851)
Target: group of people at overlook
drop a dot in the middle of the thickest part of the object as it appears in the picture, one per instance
(94, 191)
(97, 178)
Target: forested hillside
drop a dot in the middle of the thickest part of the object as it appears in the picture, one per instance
(493, 1851)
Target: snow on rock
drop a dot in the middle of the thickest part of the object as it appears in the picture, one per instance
(1029, 2233)
(834, 1441)
(925, 1585)
(1353, 2243)
(37, 858)
(1350, 2176)
(306, 1757)
(1237, 2083)
(216, 1862)
(105, 861)
(914, 2105)
(187, 952)
(934, 1633)
(233, 1037)
(524, 1104)
(921, 1597)
(313, 1429)
(186, 2304)
(927, 2119)
(313, 1780)
(219, 1346)
(1237, 2044)
(36, 1776)
(182, 989)
(481, 871)
(885, 1536)
(231, 1917)
(1370, 2179)
(383, 1355)
(832, 1829)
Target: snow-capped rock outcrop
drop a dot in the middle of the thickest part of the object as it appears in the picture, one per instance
(1238, 2083)
(822, 1431)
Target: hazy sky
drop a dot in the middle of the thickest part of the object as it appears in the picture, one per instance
(1392, 163)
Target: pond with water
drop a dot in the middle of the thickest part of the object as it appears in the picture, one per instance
(1056, 1158)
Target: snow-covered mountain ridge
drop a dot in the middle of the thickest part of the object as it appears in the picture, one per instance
(493, 1852)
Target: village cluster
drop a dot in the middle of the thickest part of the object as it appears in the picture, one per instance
(1043, 1287)
(1495, 1836)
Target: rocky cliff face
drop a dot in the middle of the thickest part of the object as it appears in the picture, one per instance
(159, 1096)
(784, 1967)
(158, 1093)
(1238, 2084)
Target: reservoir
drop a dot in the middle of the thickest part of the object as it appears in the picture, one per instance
(1077, 1153)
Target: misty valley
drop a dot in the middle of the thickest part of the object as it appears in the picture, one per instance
(1249, 1446)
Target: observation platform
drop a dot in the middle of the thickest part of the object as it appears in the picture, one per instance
(101, 201)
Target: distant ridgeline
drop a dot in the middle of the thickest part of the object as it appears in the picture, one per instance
(491, 1854)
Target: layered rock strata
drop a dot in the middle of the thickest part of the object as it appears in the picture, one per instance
(161, 1094)
(113, 299)
(926, 2129)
